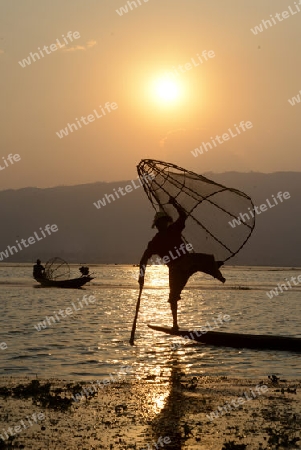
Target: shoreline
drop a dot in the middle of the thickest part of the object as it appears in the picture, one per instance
(140, 414)
(135, 265)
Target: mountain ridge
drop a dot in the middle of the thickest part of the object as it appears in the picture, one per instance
(119, 231)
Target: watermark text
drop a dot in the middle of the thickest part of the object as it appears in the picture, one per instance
(129, 6)
(64, 313)
(160, 443)
(128, 188)
(10, 250)
(260, 389)
(194, 62)
(88, 391)
(287, 285)
(9, 160)
(269, 23)
(244, 217)
(86, 119)
(33, 57)
(205, 146)
(295, 100)
(203, 330)
(12, 431)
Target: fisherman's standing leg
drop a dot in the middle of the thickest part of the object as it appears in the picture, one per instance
(174, 312)
(178, 277)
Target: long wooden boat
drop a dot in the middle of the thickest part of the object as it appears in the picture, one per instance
(74, 283)
(237, 340)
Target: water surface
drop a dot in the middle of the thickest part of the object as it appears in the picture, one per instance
(93, 342)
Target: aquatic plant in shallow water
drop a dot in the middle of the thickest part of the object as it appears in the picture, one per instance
(41, 395)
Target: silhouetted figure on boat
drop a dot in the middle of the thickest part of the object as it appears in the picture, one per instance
(38, 270)
(84, 271)
(170, 246)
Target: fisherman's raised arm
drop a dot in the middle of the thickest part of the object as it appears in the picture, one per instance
(182, 213)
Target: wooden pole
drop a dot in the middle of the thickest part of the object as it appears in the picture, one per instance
(136, 316)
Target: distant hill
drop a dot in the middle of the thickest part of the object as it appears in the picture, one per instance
(119, 231)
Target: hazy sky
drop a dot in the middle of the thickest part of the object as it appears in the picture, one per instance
(118, 58)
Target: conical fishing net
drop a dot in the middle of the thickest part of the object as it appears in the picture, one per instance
(210, 207)
(57, 269)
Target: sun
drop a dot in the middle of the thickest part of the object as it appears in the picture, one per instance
(166, 90)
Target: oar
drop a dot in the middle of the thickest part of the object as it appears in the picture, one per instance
(136, 316)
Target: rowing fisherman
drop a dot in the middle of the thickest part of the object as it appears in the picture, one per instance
(184, 265)
(38, 270)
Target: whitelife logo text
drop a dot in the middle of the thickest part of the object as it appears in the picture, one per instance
(10, 250)
(295, 100)
(85, 120)
(33, 57)
(194, 62)
(65, 313)
(243, 217)
(269, 23)
(128, 188)
(205, 146)
(287, 285)
(124, 9)
(11, 158)
(260, 389)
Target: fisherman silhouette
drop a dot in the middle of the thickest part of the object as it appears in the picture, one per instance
(38, 270)
(185, 264)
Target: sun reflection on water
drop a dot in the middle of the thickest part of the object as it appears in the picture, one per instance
(156, 276)
(160, 402)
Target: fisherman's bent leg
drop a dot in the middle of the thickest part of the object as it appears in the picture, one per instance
(202, 262)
